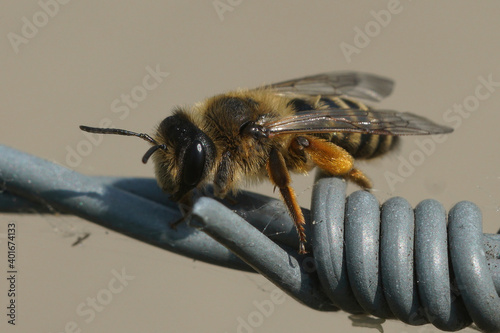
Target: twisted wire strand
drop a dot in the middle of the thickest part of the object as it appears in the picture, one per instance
(389, 261)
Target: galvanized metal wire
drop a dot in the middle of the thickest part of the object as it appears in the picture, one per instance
(417, 265)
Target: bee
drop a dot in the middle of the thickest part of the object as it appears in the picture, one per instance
(270, 131)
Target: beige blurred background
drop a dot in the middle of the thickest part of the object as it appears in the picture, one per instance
(75, 67)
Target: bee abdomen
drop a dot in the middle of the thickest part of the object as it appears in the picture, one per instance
(362, 146)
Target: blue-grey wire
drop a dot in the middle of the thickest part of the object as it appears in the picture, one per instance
(390, 261)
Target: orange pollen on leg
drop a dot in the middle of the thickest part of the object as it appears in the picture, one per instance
(330, 157)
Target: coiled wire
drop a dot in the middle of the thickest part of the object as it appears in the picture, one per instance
(392, 261)
(389, 261)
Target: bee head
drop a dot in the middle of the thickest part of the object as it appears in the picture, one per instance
(183, 154)
(189, 156)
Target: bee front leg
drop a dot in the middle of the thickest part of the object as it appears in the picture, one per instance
(332, 159)
(185, 205)
(279, 176)
(224, 176)
(224, 180)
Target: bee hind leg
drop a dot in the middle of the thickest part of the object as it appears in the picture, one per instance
(279, 176)
(359, 178)
(331, 159)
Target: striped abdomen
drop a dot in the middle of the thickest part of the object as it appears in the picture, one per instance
(358, 145)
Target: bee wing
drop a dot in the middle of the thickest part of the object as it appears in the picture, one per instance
(358, 85)
(381, 122)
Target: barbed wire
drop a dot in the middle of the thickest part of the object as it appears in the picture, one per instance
(390, 261)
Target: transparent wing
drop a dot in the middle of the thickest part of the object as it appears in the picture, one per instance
(382, 122)
(358, 85)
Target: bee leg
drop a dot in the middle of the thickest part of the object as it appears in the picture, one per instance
(175, 224)
(231, 199)
(279, 176)
(185, 204)
(331, 159)
(359, 178)
(223, 180)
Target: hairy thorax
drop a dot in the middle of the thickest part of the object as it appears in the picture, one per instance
(241, 156)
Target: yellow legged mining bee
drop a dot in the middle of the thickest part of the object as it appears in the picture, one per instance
(265, 133)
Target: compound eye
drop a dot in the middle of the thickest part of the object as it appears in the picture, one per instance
(194, 163)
